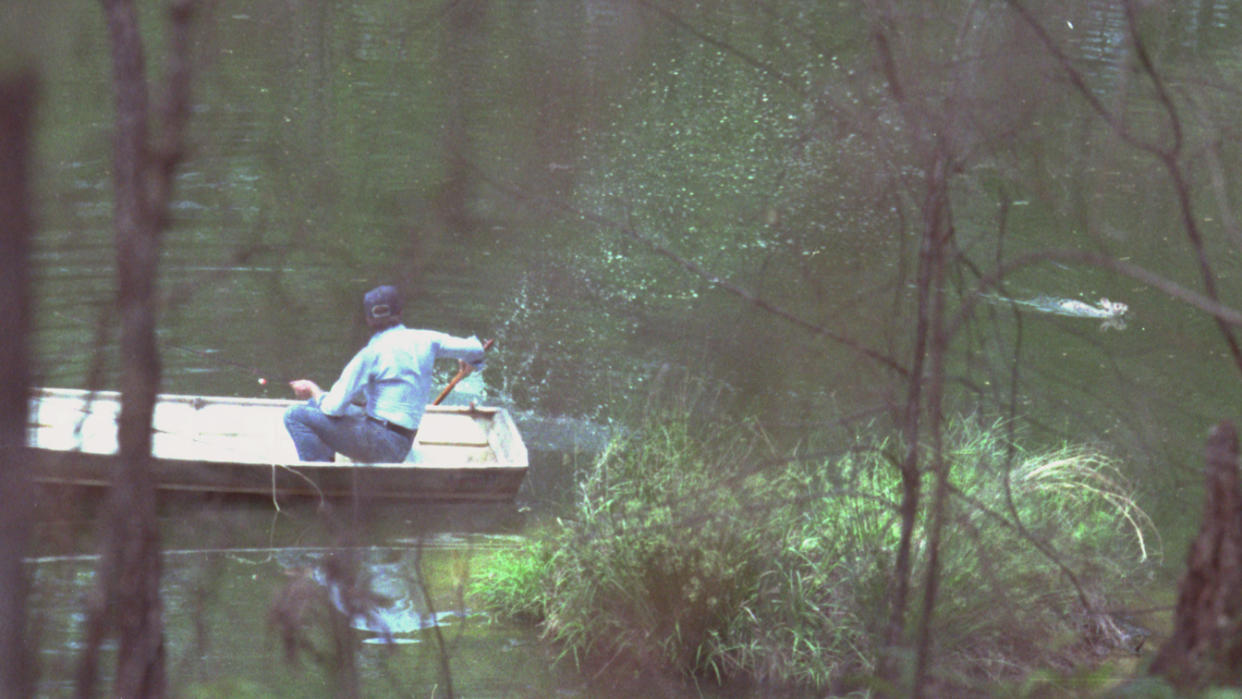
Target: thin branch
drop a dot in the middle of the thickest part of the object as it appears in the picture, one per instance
(699, 271)
(728, 48)
(1168, 157)
(442, 651)
(1220, 312)
(1078, 81)
(1162, 95)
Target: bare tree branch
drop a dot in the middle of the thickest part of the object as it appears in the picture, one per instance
(1169, 157)
(761, 66)
(1213, 307)
(699, 271)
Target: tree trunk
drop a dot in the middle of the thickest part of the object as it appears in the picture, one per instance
(132, 571)
(1206, 646)
(17, 101)
(128, 599)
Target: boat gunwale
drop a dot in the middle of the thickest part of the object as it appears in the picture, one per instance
(503, 438)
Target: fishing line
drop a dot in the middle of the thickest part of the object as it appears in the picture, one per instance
(211, 356)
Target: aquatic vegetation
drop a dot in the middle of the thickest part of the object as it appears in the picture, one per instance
(512, 584)
(711, 554)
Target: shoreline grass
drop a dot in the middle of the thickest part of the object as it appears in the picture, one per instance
(706, 552)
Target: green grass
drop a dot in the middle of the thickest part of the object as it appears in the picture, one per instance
(709, 553)
(512, 584)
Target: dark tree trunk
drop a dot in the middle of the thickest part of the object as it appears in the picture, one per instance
(17, 101)
(131, 572)
(127, 602)
(1206, 646)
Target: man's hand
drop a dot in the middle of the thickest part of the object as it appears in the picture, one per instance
(464, 369)
(305, 388)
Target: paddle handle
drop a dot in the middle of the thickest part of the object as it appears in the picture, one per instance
(461, 374)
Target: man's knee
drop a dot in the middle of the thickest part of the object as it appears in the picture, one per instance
(299, 414)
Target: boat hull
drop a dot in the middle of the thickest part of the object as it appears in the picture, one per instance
(239, 445)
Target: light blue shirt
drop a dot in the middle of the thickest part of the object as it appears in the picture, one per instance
(394, 372)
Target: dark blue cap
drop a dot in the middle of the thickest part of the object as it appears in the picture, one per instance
(381, 303)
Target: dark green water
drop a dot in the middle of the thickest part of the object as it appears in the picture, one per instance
(226, 569)
(452, 148)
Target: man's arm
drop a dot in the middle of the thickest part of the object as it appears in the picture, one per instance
(464, 349)
(336, 400)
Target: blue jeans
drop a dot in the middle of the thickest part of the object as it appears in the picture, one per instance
(318, 436)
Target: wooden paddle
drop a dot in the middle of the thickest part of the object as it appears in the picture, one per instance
(461, 374)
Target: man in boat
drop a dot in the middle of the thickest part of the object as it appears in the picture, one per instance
(373, 410)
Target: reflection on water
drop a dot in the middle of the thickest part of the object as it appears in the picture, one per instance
(222, 603)
(383, 599)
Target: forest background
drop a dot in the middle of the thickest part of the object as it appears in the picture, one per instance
(819, 209)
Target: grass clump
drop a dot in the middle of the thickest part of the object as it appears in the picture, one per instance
(709, 553)
(512, 584)
(660, 548)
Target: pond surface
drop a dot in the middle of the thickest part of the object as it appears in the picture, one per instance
(233, 575)
(469, 151)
